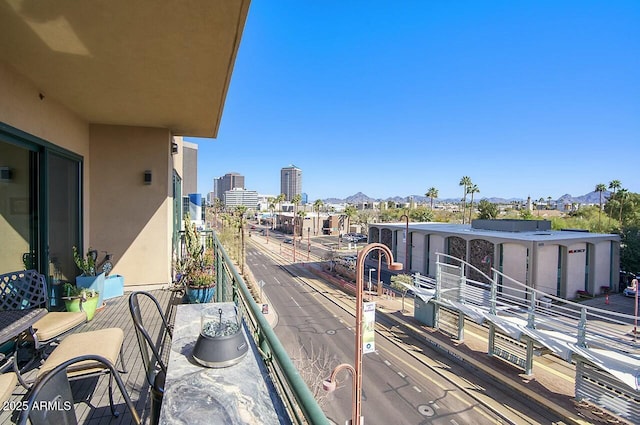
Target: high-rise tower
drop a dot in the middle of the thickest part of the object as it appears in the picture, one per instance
(290, 182)
(229, 181)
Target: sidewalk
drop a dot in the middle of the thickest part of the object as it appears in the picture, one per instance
(552, 383)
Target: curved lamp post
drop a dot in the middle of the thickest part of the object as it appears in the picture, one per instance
(357, 370)
(406, 243)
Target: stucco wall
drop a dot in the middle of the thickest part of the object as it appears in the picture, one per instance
(25, 107)
(436, 243)
(514, 260)
(417, 252)
(576, 260)
(129, 218)
(602, 265)
(547, 269)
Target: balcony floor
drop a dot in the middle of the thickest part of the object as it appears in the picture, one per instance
(96, 390)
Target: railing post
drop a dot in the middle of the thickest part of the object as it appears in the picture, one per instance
(462, 283)
(493, 295)
(531, 316)
(582, 328)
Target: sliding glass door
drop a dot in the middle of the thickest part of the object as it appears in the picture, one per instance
(63, 211)
(40, 206)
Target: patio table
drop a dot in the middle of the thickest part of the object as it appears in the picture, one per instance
(15, 322)
(194, 394)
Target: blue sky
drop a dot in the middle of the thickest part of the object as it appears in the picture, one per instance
(536, 98)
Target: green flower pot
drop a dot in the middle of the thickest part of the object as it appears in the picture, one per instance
(89, 306)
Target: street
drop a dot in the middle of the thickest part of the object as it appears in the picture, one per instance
(398, 388)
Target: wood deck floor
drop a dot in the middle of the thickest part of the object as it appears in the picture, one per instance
(92, 394)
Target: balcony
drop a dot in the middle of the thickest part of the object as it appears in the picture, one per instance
(91, 395)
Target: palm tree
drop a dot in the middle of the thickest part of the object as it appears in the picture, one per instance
(614, 185)
(272, 207)
(316, 206)
(432, 193)
(295, 201)
(465, 182)
(350, 211)
(622, 194)
(472, 189)
(600, 188)
(279, 200)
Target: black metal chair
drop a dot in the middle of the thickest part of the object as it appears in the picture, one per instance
(54, 391)
(155, 367)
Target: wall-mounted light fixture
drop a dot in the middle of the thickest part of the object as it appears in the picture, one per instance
(147, 177)
(6, 174)
(174, 148)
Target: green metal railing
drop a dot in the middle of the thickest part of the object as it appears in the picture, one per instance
(296, 396)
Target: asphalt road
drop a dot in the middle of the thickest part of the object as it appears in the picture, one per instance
(397, 387)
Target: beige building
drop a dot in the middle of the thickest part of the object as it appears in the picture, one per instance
(90, 117)
(559, 263)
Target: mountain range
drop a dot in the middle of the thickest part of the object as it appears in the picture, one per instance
(359, 198)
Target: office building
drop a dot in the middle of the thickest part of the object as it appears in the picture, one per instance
(227, 182)
(290, 182)
(239, 197)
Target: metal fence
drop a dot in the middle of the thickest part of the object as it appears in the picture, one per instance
(507, 298)
(296, 396)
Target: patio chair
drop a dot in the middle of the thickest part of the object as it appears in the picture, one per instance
(8, 382)
(155, 367)
(54, 391)
(26, 290)
(103, 343)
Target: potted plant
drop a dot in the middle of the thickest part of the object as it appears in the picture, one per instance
(89, 278)
(194, 270)
(80, 299)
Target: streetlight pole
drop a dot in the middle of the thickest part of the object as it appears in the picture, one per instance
(308, 243)
(360, 263)
(370, 270)
(406, 243)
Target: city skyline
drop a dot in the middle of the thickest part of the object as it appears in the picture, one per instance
(527, 99)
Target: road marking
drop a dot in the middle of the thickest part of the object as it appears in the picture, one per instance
(277, 281)
(417, 389)
(387, 362)
(447, 390)
(402, 375)
(296, 302)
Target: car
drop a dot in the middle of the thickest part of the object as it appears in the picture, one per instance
(629, 292)
(287, 240)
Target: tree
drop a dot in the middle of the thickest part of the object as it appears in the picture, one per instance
(350, 211)
(600, 188)
(317, 204)
(630, 249)
(487, 210)
(397, 283)
(472, 189)
(272, 207)
(421, 214)
(614, 185)
(296, 201)
(432, 193)
(526, 214)
(622, 194)
(465, 182)
(279, 200)
(548, 202)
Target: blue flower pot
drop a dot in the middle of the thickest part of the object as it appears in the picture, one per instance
(199, 295)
